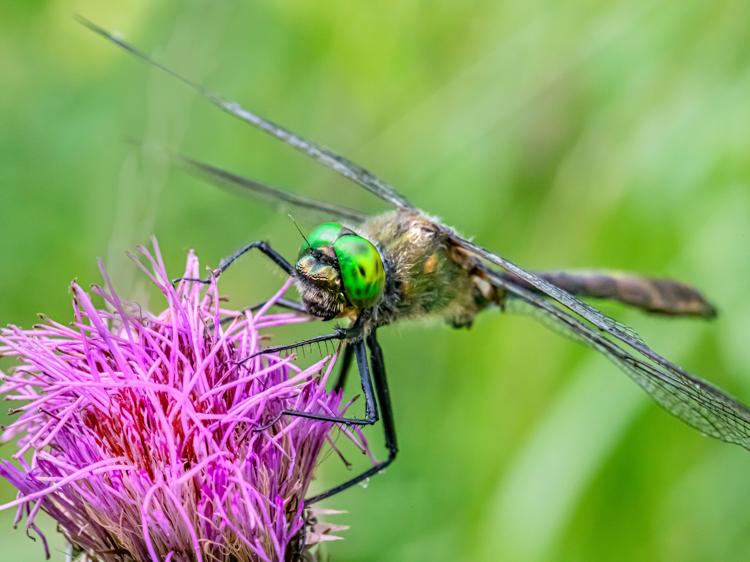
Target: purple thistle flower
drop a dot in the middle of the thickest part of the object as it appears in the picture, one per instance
(138, 432)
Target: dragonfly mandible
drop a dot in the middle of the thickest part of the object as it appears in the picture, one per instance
(377, 270)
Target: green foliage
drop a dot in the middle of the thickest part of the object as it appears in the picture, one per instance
(570, 134)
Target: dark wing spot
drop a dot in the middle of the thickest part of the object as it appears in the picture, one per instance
(361, 271)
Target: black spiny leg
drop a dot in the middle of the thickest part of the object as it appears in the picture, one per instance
(280, 303)
(384, 398)
(349, 334)
(389, 428)
(283, 303)
(224, 264)
(371, 410)
(339, 334)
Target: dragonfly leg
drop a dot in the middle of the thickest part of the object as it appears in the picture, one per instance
(339, 334)
(389, 427)
(224, 264)
(346, 363)
(349, 334)
(371, 410)
(281, 303)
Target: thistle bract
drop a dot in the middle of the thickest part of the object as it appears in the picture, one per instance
(143, 436)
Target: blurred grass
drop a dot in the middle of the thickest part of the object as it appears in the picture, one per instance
(577, 134)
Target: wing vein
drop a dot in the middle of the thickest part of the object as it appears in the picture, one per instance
(319, 153)
(687, 397)
(224, 177)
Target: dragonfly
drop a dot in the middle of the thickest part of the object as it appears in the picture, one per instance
(372, 271)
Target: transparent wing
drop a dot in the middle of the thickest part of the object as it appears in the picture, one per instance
(321, 154)
(225, 178)
(696, 402)
(619, 331)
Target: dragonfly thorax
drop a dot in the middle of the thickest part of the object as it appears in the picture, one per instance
(339, 271)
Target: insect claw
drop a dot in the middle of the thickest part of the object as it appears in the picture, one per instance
(267, 425)
(191, 280)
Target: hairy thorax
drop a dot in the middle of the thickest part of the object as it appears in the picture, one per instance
(424, 276)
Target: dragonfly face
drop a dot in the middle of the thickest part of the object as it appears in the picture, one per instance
(339, 272)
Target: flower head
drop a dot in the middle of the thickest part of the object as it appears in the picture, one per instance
(142, 435)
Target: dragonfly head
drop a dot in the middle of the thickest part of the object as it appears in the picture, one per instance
(338, 270)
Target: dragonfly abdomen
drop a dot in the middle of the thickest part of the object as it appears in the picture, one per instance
(658, 296)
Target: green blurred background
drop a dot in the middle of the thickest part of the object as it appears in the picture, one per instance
(577, 134)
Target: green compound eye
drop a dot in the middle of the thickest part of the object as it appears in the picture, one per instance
(322, 235)
(362, 272)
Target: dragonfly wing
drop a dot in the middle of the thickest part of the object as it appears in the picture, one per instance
(225, 178)
(321, 154)
(619, 331)
(693, 400)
